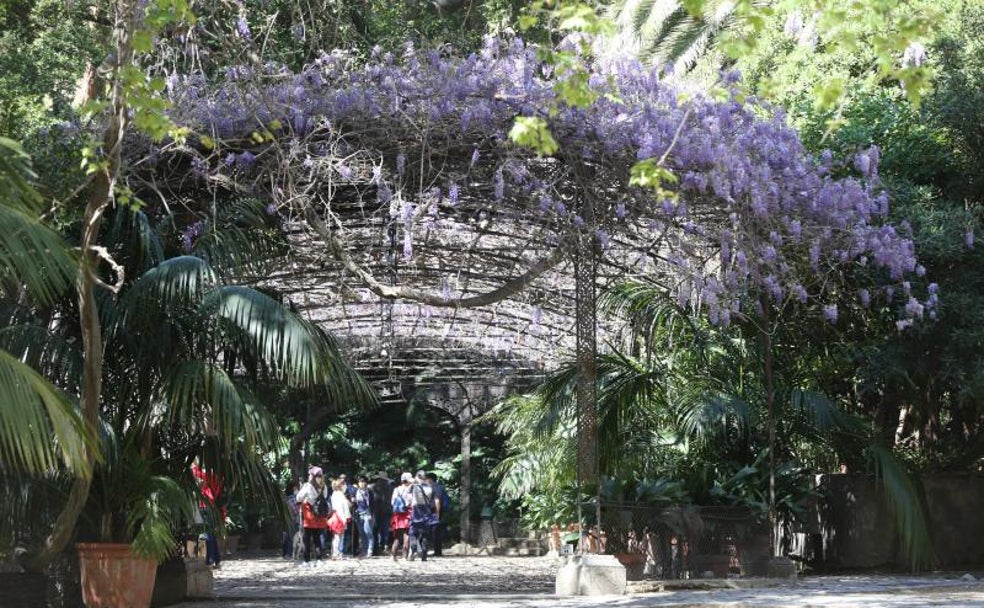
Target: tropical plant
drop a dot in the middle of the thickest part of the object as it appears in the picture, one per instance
(671, 32)
(35, 266)
(691, 407)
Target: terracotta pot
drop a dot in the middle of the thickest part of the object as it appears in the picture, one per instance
(629, 559)
(113, 577)
(635, 564)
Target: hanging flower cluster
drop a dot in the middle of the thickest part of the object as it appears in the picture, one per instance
(752, 218)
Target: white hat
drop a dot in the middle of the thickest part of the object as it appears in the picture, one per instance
(406, 477)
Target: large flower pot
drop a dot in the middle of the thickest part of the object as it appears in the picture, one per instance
(635, 564)
(113, 577)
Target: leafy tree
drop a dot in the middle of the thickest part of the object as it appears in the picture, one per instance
(45, 48)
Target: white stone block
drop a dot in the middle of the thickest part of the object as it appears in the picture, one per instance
(590, 575)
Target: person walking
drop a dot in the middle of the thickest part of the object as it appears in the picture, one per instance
(347, 544)
(340, 519)
(422, 515)
(382, 490)
(443, 502)
(287, 542)
(364, 516)
(401, 501)
(315, 505)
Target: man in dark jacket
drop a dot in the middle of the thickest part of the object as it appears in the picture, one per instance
(382, 489)
(444, 502)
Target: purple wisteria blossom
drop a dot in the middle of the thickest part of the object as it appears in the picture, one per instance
(190, 235)
(242, 28)
(752, 214)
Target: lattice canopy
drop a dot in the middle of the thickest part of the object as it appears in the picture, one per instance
(422, 235)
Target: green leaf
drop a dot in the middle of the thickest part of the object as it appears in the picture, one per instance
(534, 133)
(143, 41)
(39, 427)
(648, 174)
(31, 255)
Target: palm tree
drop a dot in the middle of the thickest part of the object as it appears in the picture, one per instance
(36, 267)
(699, 392)
(667, 32)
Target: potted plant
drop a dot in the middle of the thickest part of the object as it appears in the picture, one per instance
(234, 529)
(168, 364)
(184, 352)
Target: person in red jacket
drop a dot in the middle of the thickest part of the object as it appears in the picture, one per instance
(210, 486)
(309, 498)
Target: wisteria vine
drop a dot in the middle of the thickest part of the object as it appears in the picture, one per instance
(753, 219)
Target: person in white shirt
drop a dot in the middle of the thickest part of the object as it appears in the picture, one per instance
(402, 502)
(340, 517)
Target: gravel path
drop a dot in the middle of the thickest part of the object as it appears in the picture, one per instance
(527, 582)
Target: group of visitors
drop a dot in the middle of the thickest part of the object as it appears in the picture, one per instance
(366, 519)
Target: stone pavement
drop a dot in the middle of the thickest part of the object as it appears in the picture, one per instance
(527, 582)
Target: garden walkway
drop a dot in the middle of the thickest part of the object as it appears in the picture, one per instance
(499, 582)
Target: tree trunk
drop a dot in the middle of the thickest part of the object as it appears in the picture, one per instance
(585, 272)
(294, 455)
(465, 497)
(100, 196)
(770, 400)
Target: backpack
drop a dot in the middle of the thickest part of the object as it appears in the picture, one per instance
(445, 500)
(363, 502)
(321, 507)
(398, 505)
(420, 497)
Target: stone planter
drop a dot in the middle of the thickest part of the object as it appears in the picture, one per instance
(182, 579)
(113, 577)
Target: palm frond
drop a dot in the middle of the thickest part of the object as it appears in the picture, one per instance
(157, 316)
(654, 315)
(240, 242)
(31, 254)
(135, 234)
(40, 429)
(159, 506)
(668, 33)
(172, 283)
(822, 415)
(701, 416)
(47, 352)
(906, 506)
(203, 398)
(282, 339)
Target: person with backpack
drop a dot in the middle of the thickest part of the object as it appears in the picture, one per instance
(423, 516)
(315, 509)
(444, 503)
(401, 501)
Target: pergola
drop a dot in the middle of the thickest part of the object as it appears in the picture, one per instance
(459, 266)
(461, 360)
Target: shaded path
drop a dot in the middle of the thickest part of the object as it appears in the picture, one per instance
(525, 582)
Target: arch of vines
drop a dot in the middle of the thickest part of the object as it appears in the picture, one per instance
(398, 182)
